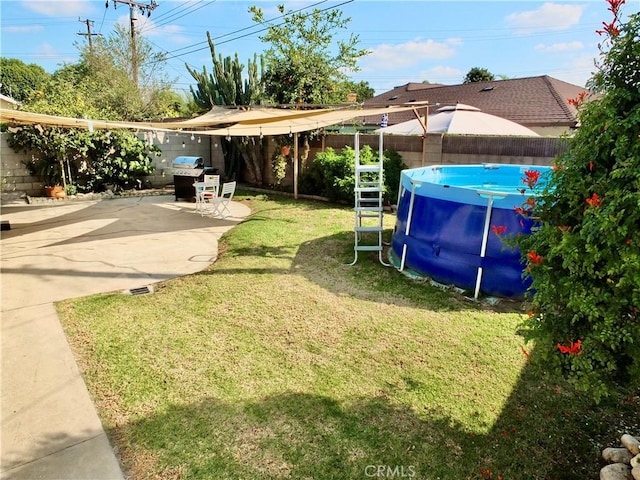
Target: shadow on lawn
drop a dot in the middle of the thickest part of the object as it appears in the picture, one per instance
(322, 259)
(543, 432)
(325, 262)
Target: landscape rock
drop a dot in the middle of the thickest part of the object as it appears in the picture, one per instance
(632, 443)
(635, 461)
(635, 473)
(616, 471)
(617, 455)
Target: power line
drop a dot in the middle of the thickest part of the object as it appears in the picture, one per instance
(173, 57)
(206, 43)
(132, 17)
(104, 14)
(169, 56)
(132, 4)
(166, 21)
(164, 14)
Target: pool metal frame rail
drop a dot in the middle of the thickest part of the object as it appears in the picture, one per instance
(414, 184)
(369, 182)
(485, 233)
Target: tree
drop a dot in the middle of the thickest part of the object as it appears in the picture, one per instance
(96, 88)
(226, 86)
(111, 65)
(76, 157)
(93, 87)
(19, 80)
(167, 103)
(73, 92)
(584, 257)
(478, 75)
(302, 65)
(149, 61)
(362, 90)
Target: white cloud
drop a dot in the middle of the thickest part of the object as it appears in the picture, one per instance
(23, 29)
(391, 57)
(550, 16)
(59, 8)
(560, 47)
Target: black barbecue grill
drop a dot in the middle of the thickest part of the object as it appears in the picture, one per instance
(187, 170)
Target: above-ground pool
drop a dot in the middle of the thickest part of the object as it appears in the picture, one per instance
(444, 225)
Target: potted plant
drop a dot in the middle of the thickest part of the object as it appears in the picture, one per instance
(50, 171)
(55, 191)
(49, 161)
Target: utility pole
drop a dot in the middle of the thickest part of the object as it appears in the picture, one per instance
(133, 17)
(89, 35)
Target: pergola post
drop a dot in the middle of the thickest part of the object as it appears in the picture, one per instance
(424, 136)
(295, 166)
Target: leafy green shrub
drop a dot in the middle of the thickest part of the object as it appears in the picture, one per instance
(88, 160)
(584, 259)
(55, 150)
(393, 166)
(332, 174)
(119, 158)
(325, 173)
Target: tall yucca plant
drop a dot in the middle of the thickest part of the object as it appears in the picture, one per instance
(225, 86)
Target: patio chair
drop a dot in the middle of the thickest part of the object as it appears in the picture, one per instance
(212, 179)
(219, 205)
(206, 189)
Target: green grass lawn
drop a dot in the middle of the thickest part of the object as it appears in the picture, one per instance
(280, 361)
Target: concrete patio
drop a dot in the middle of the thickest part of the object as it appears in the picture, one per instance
(59, 250)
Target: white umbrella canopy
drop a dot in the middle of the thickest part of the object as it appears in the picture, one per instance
(461, 119)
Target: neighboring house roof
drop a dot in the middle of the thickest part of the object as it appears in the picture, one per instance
(8, 102)
(533, 101)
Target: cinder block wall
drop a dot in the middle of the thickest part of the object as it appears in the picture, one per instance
(15, 177)
(174, 145)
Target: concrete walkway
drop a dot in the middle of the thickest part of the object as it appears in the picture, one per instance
(49, 426)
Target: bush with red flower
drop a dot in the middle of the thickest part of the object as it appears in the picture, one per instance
(584, 257)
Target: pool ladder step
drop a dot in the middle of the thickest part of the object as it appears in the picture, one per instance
(370, 248)
(369, 183)
(368, 229)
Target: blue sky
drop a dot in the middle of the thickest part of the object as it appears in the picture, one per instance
(409, 41)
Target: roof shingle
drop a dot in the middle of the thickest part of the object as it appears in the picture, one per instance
(531, 101)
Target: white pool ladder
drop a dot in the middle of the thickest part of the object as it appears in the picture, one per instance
(369, 182)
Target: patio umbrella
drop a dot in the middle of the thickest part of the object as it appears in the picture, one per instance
(461, 119)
